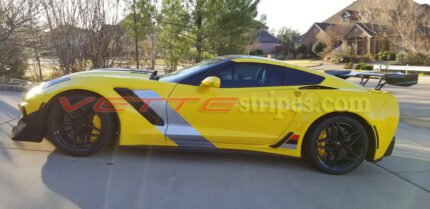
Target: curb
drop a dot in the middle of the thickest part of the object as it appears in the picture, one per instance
(7, 87)
(11, 84)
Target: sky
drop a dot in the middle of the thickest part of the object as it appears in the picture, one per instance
(301, 14)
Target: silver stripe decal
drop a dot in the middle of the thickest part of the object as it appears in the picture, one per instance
(176, 127)
(157, 105)
(289, 146)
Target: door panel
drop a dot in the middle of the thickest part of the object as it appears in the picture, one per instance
(252, 116)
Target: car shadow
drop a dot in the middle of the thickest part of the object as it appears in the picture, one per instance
(136, 176)
(160, 178)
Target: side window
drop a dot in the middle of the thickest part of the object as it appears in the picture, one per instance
(295, 77)
(248, 75)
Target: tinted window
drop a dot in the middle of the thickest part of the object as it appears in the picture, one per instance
(247, 75)
(199, 68)
(243, 75)
(295, 77)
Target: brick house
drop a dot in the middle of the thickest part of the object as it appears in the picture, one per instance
(353, 30)
(265, 43)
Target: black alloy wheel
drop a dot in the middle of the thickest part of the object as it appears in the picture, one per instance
(338, 145)
(83, 131)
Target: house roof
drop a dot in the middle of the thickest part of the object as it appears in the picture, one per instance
(356, 7)
(352, 13)
(366, 28)
(371, 29)
(323, 26)
(332, 30)
(265, 37)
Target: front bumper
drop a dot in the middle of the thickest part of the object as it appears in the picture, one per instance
(30, 127)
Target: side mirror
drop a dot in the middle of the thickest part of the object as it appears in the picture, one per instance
(211, 82)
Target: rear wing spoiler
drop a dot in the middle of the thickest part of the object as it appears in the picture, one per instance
(396, 79)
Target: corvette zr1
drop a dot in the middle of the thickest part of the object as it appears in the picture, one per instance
(232, 102)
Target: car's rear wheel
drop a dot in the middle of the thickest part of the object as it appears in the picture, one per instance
(337, 145)
(81, 131)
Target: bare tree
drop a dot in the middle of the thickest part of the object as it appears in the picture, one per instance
(15, 25)
(65, 37)
(83, 30)
(406, 25)
(103, 36)
(15, 18)
(136, 37)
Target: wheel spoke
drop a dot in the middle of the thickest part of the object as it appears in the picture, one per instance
(351, 142)
(73, 115)
(330, 131)
(326, 140)
(351, 159)
(92, 134)
(352, 152)
(86, 140)
(334, 158)
(338, 130)
(349, 135)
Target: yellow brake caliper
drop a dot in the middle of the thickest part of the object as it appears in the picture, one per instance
(322, 136)
(97, 128)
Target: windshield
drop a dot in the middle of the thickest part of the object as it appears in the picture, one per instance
(183, 73)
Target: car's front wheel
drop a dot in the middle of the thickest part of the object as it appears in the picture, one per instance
(337, 145)
(79, 130)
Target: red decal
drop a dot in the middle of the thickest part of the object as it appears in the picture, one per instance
(68, 107)
(295, 137)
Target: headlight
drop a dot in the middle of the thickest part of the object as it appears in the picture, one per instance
(38, 89)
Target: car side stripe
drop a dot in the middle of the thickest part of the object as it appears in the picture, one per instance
(177, 128)
(137, 103)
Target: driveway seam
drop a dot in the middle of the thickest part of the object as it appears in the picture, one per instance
(403, 178)
(20, 149)
(412, 172)
(2, 123)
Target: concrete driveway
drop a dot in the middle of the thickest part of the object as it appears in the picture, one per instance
(37, 176)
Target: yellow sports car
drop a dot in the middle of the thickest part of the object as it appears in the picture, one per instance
(233, 102)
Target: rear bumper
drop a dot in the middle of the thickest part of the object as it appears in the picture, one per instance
(388, 152)
(390, 149)
(30, 127)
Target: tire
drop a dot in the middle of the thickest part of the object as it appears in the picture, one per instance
(82, 131)
(337, 145)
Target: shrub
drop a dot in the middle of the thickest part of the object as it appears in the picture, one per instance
(388, 55)
(401, 57)
(14, 63)
(348, 66)
(363, 66)
(318, 47)
(257, 52)
(344, 59)
(404, 58)
(373, 57)
(368, 67)
(301, 49)
(280, 57)
(331, 58)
